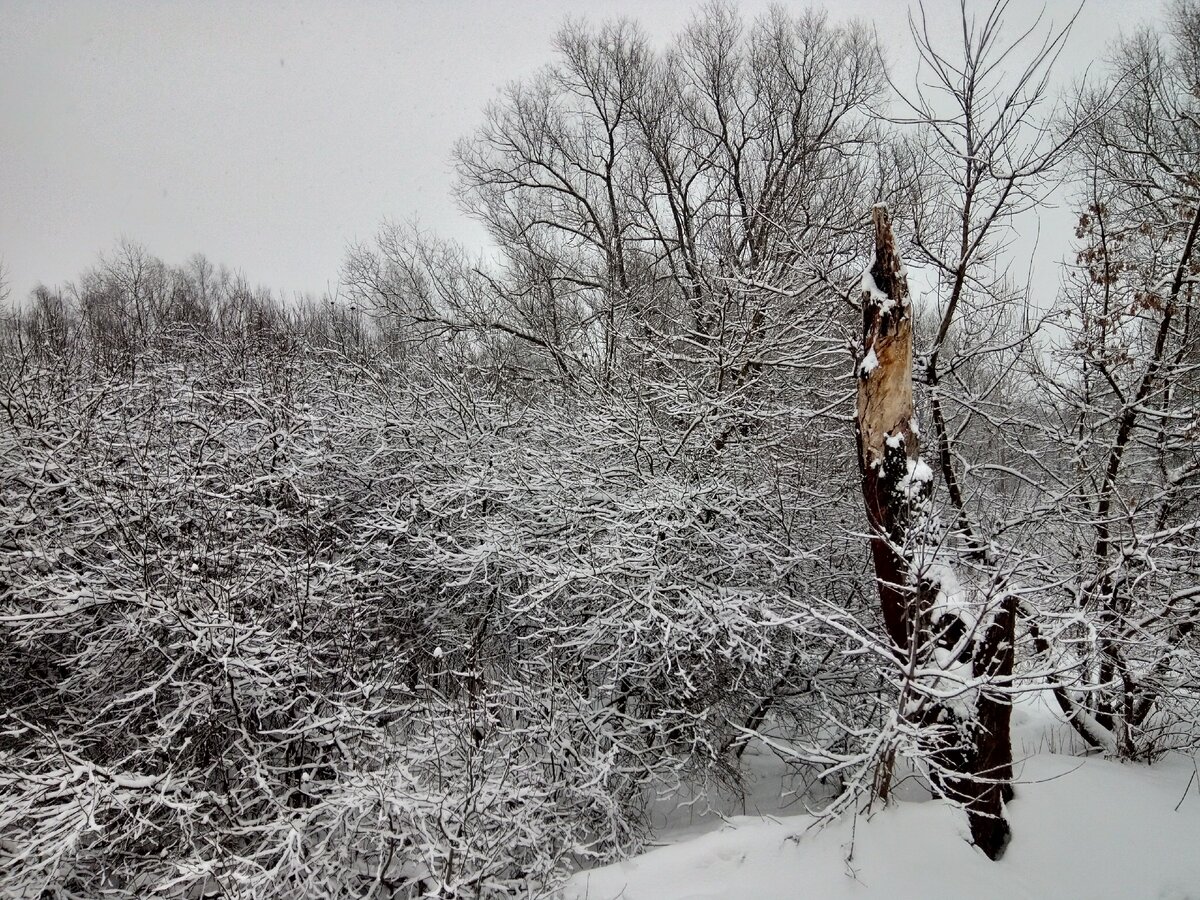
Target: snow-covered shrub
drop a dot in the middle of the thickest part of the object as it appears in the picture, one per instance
(286, 617)
(218, 665)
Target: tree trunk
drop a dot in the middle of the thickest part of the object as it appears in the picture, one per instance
(977, 766)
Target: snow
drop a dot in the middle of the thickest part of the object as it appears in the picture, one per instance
(950, 599)
(872, 290)
(916, 476)
(1081, 828)
(869, 364)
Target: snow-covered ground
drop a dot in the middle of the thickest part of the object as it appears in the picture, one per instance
(1082, 828)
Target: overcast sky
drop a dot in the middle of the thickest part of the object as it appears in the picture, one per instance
(270, 136)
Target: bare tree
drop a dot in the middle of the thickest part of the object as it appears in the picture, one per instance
(1123, 390)
(990, 151)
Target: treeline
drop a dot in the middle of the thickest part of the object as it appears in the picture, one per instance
(131, 301)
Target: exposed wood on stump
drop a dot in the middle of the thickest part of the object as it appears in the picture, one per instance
(887, 444)
(977, 767)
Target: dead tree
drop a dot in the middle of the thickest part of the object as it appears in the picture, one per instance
(969, 750)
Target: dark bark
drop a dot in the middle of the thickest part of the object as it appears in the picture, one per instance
(987, 759)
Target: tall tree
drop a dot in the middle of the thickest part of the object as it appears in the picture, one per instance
(1120, 394)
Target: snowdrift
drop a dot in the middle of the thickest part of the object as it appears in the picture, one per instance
(1082, 828)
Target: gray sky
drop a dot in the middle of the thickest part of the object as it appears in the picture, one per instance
(270, 136)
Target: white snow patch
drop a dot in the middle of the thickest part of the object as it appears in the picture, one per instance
(916, 476)
(869, 364)
(873, 291)
(951, 599)
(1081, 828)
